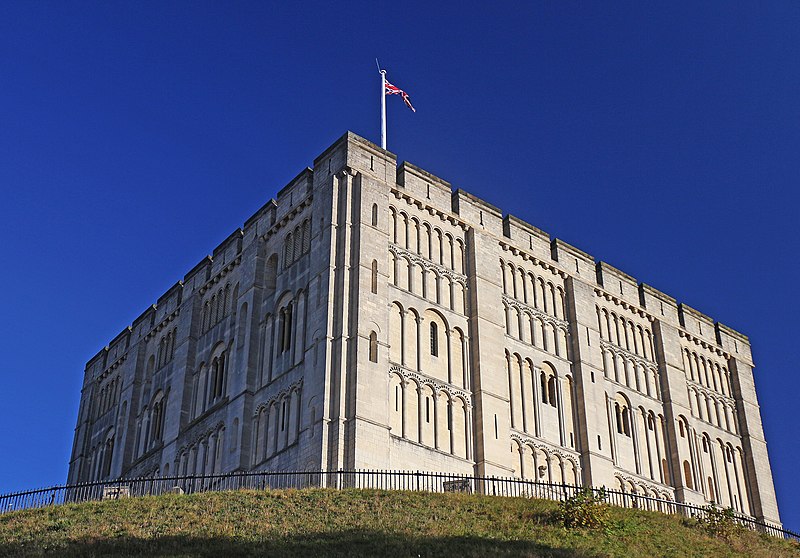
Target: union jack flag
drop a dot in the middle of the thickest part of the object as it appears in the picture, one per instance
(394, 90)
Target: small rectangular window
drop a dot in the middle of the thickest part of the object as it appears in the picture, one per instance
(449, 418)
(434, 339)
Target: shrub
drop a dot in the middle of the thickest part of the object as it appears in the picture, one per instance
(586, 509)
(719, 522)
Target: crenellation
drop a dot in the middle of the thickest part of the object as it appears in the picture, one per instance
(296, 191)
(696, 323)
(423, 185)
(477, 212)
(169, 301)
(528, 238)
(262, 219)
(372, 317)
(353, 152)
(618, 282)
(659, 305)
(573, 260)
(734, 343)
(228, 249)
(198, 275)
(144, 323)
(95, 366)
(118, 345)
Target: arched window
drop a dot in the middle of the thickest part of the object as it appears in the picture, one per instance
(374, 214)
(160, 359)
(288, 251)
(374, 278)
(626, 421)
(543, 386)
(623, 417)
(548, 382)
(298, 243)
(108, 455)
(285, 341)
(373, 347)
(687, 473)
(157, 420)
(218, 378)
(306, 235)
(434, 339)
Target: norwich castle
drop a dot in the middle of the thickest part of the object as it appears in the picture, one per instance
(372, 317)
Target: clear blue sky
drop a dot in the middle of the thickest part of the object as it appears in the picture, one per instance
(134, 137)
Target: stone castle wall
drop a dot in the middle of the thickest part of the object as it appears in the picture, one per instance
(373, 317)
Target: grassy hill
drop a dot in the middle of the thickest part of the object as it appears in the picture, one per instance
(320, 522)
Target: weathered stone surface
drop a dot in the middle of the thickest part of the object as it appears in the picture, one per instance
(371, 317)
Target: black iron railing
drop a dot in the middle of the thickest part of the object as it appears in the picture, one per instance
(385, 480)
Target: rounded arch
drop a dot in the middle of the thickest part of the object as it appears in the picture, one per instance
(403, 232)
(435, 349)
(396, 334)
(393, 218)
(444, 420)
(623, 413)
(373, 346)
(459, 256)
(460, 419)
(459, 358)
(413, 235)
(425, 240)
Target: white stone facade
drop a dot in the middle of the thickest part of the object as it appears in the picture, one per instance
(371, 317)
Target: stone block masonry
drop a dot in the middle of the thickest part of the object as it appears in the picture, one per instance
(371, 316)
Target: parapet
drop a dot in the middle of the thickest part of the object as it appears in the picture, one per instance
(574, 260)
(199, 274)
(659, 304)
(618, 282)
(293, 193)
(169, 301)
(423, 185)
(144, 323)
(261, 221)
(118, 345)
(528, 237)
(695, 322)
(735, 343)
(354, 152)
(477, 211)
(227, 251)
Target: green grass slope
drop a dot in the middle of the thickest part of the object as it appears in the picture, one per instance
(321, 522)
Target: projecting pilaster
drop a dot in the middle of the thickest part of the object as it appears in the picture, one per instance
(759, 473)
(369, 397)
(587, 364)
(491, 418)
(679, 432)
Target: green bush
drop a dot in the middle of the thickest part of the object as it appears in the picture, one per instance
(719, 522)
(587, 510)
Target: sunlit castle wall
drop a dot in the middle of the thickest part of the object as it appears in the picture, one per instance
(371, 316)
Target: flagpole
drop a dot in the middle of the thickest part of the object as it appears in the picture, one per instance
(383, 109)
